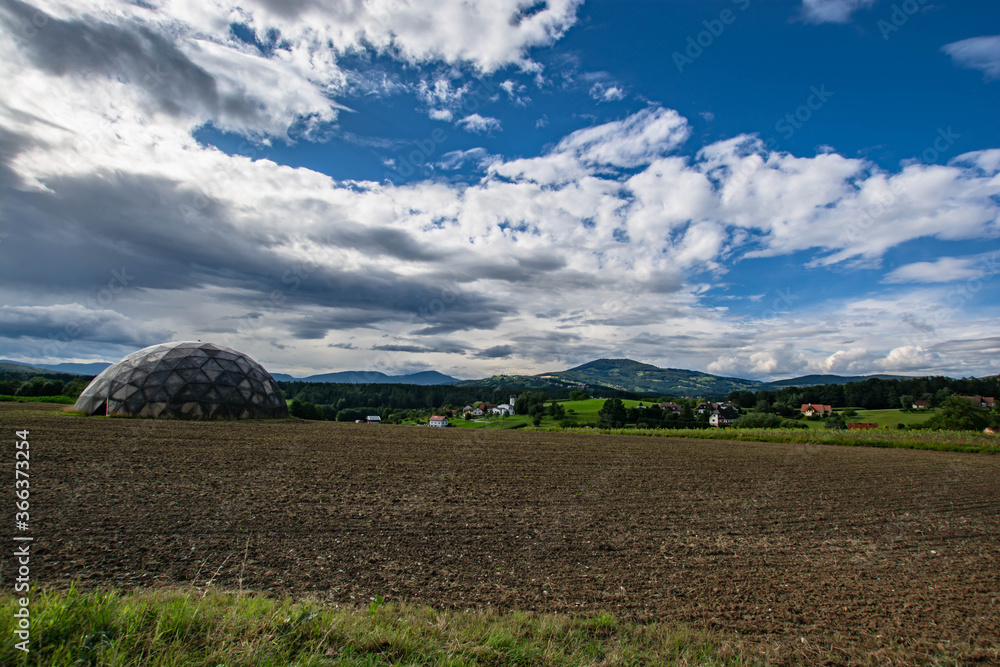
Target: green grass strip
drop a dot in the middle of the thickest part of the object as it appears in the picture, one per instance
(154, 628)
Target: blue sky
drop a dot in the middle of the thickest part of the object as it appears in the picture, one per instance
(749, 188)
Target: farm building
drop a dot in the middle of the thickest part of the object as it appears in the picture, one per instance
(981, 401)
(187, 380)
(438, 421)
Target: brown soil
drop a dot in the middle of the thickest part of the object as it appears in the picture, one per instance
(755, 538)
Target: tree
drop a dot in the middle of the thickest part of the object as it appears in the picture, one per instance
(578, 396)
(74, 388)
(305, 410)
(537, 420)
(906, 400)
(612, 414)
(959, 414)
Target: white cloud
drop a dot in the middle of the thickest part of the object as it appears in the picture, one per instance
(605, 93)
(638, 139)
(440, 114)
(458, 159)
(478, 124)
(832, 11)
(945, 270)
(982, 53)
(102, 171)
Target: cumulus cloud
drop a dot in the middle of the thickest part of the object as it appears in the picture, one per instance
(574, 252)
(478, 124)
(832, 11)
(982, 53)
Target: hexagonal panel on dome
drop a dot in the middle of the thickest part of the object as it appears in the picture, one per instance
(185, 380)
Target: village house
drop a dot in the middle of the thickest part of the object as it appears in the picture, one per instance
(810, 409)
(438, 420)
(921, 405)
(706, 407)
(725, 416)
(670, 406)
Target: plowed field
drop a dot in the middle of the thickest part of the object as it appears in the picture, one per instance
(755, 538)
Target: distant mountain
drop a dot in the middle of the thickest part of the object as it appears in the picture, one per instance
(23, 369)
(815, 380)
(625, 375)
(629, 375)
(375, 377)
(73, 369)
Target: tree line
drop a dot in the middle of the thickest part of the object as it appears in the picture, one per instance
(871, 394)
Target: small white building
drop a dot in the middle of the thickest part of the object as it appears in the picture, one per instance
(373, 419)
(503, 409)
(438, 420)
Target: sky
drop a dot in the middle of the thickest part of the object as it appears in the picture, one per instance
(751, 188)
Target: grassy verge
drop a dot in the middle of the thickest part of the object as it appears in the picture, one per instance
(168, 627)
(61, 400)
(185, 627)
(948, 441)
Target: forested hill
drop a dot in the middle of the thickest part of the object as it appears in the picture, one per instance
(629, 375)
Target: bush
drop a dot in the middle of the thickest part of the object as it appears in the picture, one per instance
(959, 414)
(791, 423)
(760, 420)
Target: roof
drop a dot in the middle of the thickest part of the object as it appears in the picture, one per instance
(437, 418)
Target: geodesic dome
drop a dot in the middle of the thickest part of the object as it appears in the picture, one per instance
(186, 380)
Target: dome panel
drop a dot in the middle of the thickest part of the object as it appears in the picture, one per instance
(185, 380)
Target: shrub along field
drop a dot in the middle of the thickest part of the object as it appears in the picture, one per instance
(267, 542)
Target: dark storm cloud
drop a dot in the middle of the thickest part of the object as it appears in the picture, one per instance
(71, 322)
(442, 347)
(385, 240)
(150, 228)
(516, 270)
(131, 53)
(480, 314)
(496, 352)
